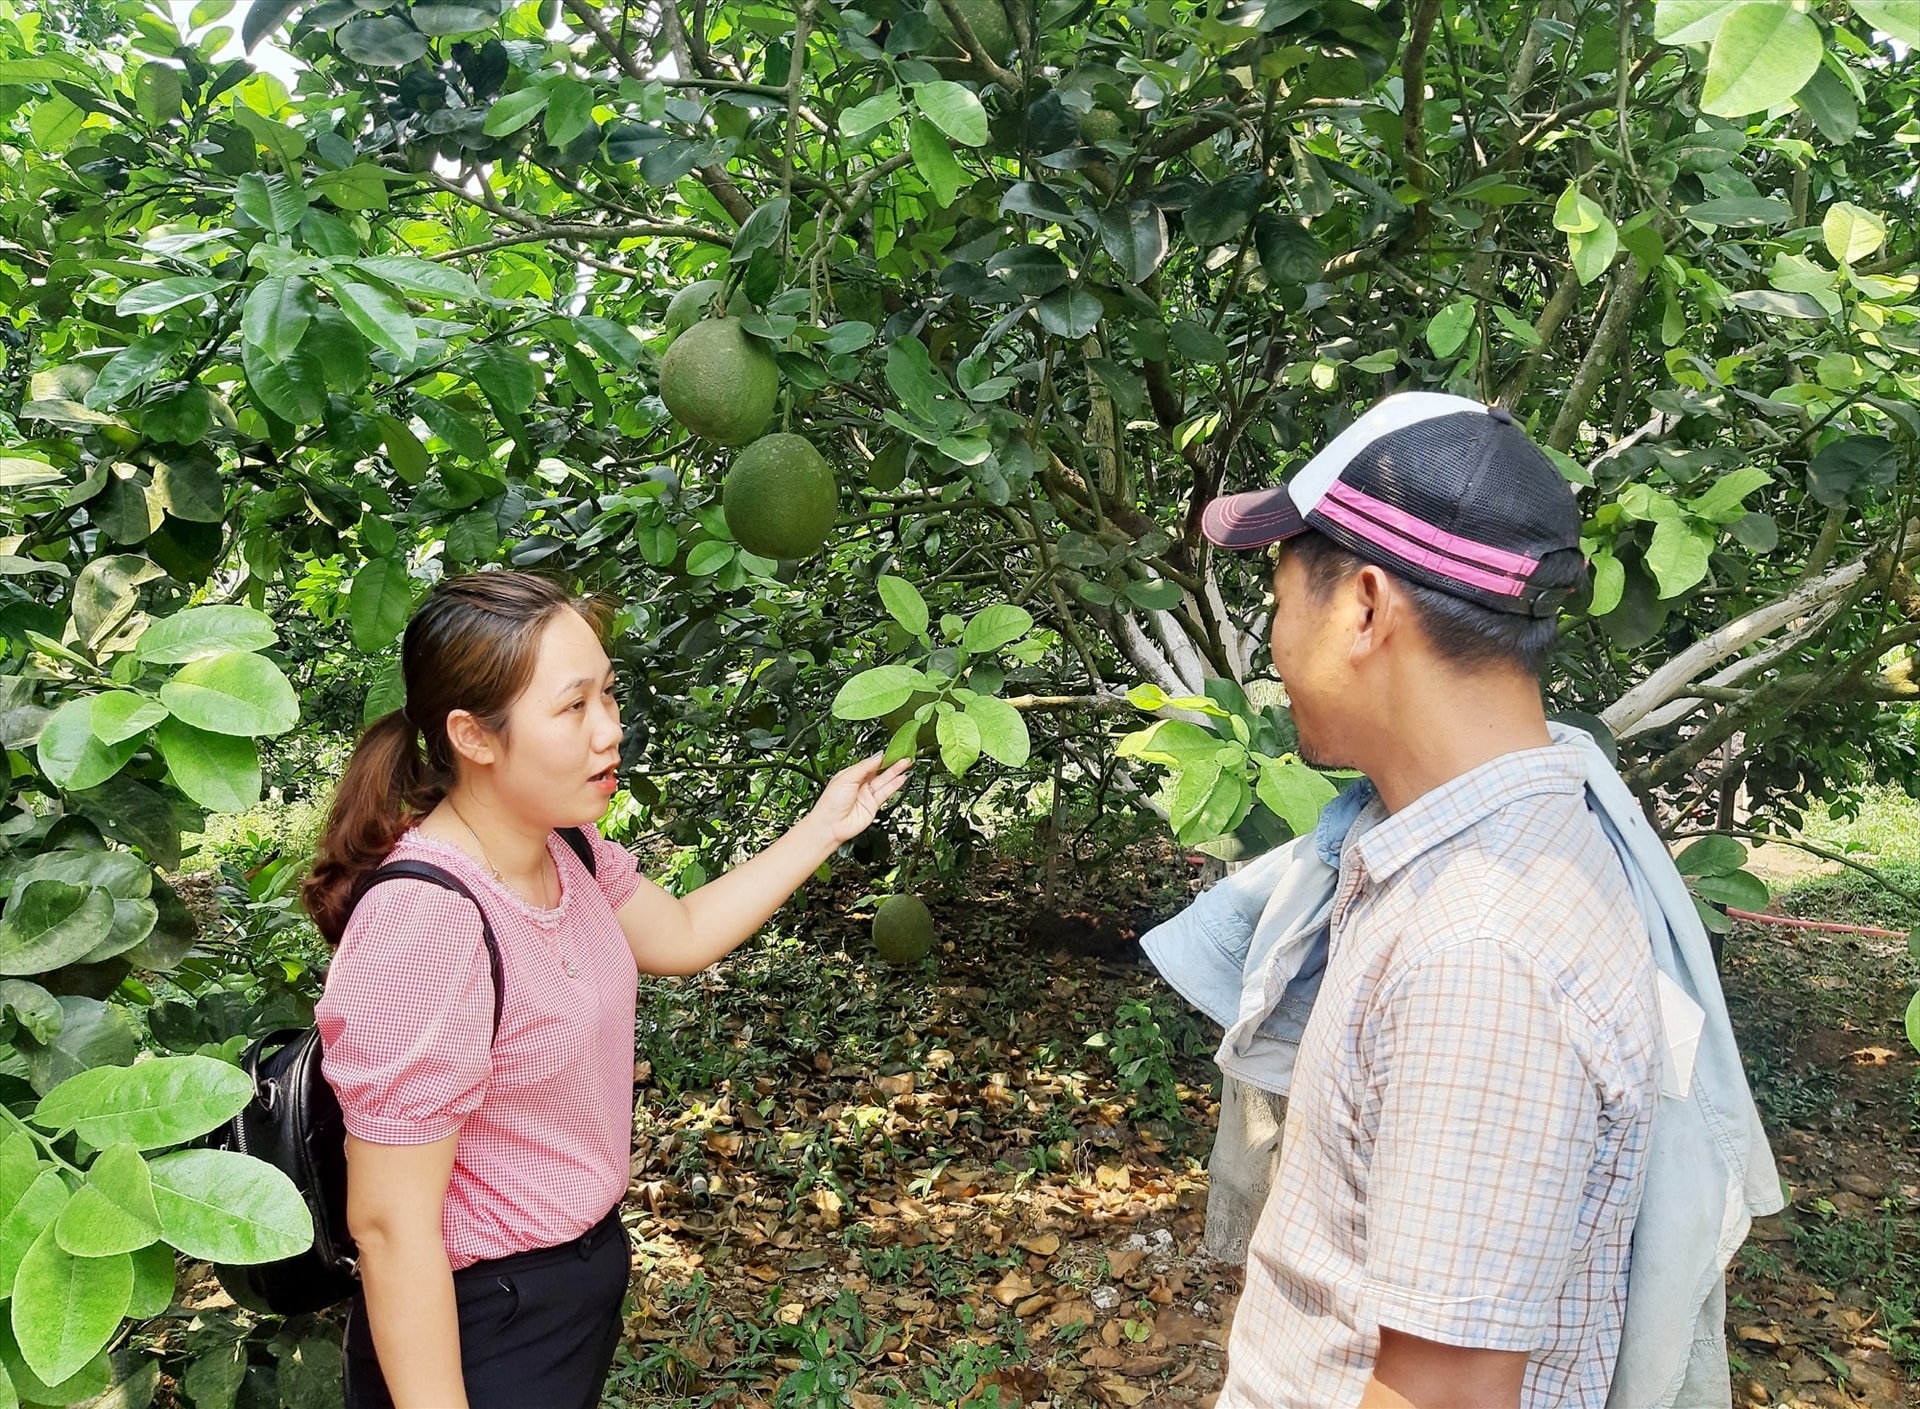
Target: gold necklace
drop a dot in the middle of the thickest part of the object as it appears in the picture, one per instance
(494, 871)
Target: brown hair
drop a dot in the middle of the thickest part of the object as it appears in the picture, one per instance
(471, 645)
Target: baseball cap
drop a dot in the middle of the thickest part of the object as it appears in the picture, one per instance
(1443, 490)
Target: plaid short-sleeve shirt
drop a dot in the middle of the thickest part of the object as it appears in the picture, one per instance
(1470, 1112)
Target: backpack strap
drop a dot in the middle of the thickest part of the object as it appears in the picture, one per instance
(433, 875)
(576, 839)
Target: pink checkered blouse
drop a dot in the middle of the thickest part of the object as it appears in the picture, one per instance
(545, 1110)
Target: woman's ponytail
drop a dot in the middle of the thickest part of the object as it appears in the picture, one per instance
(471, 646)
(387, 785)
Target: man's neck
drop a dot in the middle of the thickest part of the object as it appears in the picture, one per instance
(1432, 731)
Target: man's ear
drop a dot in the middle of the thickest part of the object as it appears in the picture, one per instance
(471, 739)
(1378, 608)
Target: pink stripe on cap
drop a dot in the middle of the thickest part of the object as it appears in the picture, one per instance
(1465, 549)
(1419, 554)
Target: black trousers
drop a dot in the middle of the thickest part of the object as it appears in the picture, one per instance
(537, 1329)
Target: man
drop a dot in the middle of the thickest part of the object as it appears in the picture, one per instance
(1452, 1218)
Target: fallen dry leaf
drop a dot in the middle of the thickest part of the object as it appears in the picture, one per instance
(1045, 1245)
(1010, 1289)
(1872, 1056)
(1125, 1261)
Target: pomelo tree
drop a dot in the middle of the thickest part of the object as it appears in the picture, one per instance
(1037, 281)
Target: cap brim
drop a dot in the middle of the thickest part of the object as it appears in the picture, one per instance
(1252, 520)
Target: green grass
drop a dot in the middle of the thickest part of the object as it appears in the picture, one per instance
(1884, 836)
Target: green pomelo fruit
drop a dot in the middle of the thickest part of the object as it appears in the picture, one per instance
(1101, 125)
(692, 303)
(902, 929)
(719, 383)
(987, 19)
(780, 497)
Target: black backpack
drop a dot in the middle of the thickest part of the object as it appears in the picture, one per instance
(294, 1124)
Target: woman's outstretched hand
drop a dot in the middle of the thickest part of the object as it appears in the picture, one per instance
(854, 796)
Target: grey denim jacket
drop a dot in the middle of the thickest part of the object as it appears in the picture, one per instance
(1251, 951)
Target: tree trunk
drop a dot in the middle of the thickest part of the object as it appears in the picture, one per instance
(1246, 1155)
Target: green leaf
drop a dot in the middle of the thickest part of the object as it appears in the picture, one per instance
(1147, 697)
(1711, 856)
(1069, 313)
(379, 604)
(380, 316)
(162, 294)
(1293, 792)
(904, 603)
(235, 693)
(120, 715)
(200, 632)
(1740, 210)
(1174, 743)
(1763, 54)
(66, 1308)
(763, 229)
(295, 390)
(132, 368)
(154, 1275)
(569, 110)
(224, 1207)
(1609, 583)
(995, 626)
(112, 1212)
(1157, 595)
(160, 1102)
(611, 340)
(905, 743)
(1721, 502)
(50, 923)
(92, 1034)
(1208, 800)
(35, 1009)
(1197, 342)
(1447, 330)
(221, 772)
(1913, 1022)
(875, 692)
(1740, 889)
(276, 315)
(1594, 250)
(438, 17)
(514, 111)
(955, 109)
(1691, 21)
(1899, 18)
(933, 158)
(1002, 730)
(877, 111)
(24, 1215)
(385, 41)
(421, 276)
(1223, 211)
(505, 374)
(1678, 555)
(959, 739)
(273, 202)
(1135, 236)
(705, 559)
(1851, 234)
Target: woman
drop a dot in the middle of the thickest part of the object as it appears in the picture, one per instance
(485, 1170)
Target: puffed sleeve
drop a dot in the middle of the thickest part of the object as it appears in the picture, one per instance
(407, 1018)
(616, 868)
